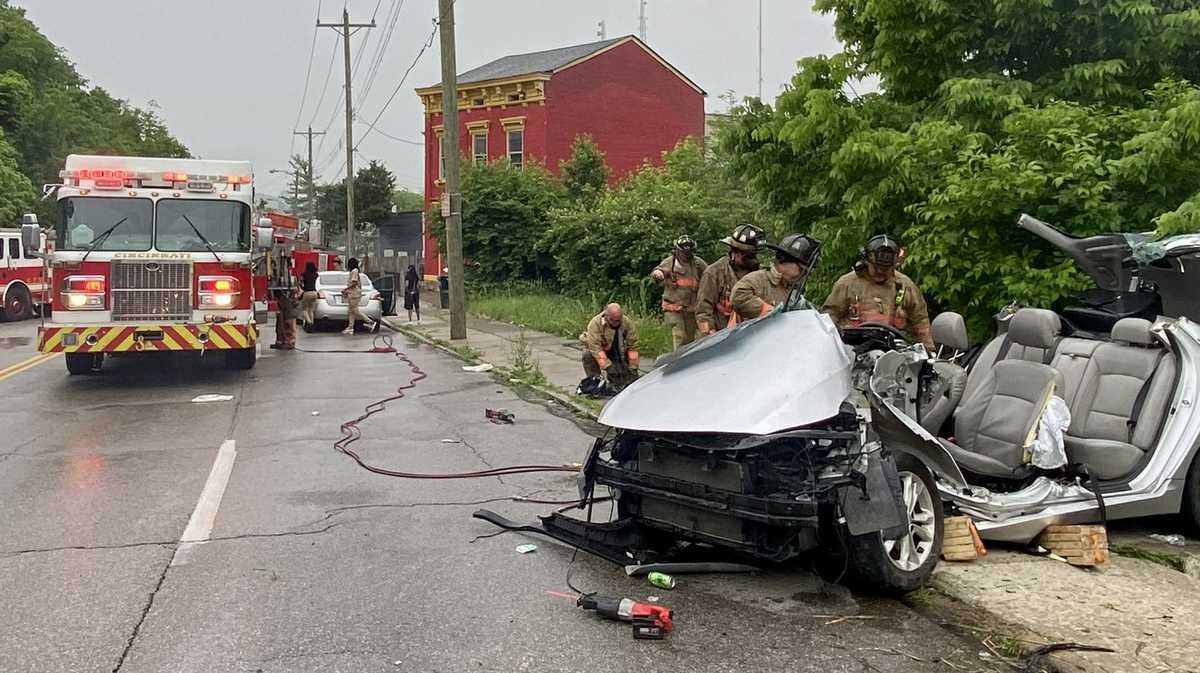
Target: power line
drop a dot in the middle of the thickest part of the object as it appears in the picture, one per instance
(325, 86)
(397, 138)
(377, 61)
(312, 50)
(424, 48)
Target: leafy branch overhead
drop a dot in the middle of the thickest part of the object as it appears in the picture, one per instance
(1081, 113)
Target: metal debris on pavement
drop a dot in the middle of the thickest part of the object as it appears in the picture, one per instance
(200, 399)
(526, 548)
(1174, 539)
(450, 440)
(661, 580)
(479, 369)
(316, 413)
(499, 416)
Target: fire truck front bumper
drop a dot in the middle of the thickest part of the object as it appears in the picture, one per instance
(133, 338)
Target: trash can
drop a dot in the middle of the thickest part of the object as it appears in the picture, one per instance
(444, 290)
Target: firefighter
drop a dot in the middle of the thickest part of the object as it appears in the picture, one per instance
(715, 311)
(610, 350)
(875, 291)
(680, 275)
(760, 291)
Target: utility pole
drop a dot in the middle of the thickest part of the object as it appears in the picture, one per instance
(454, 248)
(344, 29)
(760, 77)
(312, 185)
(602, 33)
(642, 20)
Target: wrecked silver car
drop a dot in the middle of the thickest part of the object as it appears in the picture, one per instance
(785, 435)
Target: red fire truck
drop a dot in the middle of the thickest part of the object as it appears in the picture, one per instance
(21, 286)
(153, 254)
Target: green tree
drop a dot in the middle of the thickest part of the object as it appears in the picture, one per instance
(373, 187)
(506, 211)
(301, 191)
(406, 201)
(49, 111)
(584, 175)
(1078, 112)
(16, 192)
(610, 249)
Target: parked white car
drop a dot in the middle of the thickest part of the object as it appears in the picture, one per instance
(331, 305)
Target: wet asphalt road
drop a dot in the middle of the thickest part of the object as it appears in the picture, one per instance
(314, 564)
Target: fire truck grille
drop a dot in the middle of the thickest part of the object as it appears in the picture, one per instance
(148, 290)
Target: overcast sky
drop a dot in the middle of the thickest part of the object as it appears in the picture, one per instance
(228, 75)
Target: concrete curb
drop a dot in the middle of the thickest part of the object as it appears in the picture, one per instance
(551, 393)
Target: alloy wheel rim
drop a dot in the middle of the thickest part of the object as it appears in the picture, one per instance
(914, 548)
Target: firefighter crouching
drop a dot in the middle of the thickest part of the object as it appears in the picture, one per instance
(610, 351)
(680, 275)
(760, 291)
(714, 309)
(875, 291)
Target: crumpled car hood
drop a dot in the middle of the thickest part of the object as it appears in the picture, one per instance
(785, 370)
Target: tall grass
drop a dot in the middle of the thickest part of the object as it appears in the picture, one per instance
(539, 308)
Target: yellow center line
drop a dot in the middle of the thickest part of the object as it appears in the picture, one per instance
(26, 364)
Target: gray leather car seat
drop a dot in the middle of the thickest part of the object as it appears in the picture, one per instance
(1110, 430)
(1033, 334)
(941, 396)
(997, 419)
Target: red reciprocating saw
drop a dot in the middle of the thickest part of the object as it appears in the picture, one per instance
(650, 622)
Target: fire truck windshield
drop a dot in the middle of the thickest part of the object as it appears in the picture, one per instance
(85, 218)
(225, 225)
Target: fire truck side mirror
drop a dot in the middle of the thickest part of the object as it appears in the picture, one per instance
(31, 233)
(264, 235)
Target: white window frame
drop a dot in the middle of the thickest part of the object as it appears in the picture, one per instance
(508, 143)
(479, 159)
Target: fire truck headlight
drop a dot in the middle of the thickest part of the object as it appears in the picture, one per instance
(219, 291)
(84, 293)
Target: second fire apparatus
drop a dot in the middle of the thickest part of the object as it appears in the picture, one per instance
(153, 254)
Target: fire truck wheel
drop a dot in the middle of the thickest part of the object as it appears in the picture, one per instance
(18, 305)
(79, 364)
(243, 358)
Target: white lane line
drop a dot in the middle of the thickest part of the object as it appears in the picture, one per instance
(200, 526)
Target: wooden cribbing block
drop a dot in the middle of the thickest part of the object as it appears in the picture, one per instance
(1080, 545)
(960, 540)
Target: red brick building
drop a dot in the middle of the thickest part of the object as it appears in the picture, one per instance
(633, 103)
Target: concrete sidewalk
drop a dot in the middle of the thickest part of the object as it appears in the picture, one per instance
(500, 343)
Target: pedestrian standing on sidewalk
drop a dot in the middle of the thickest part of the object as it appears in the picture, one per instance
(412, 292)
(308, 300)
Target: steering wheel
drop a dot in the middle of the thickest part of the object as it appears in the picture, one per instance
(873, 335)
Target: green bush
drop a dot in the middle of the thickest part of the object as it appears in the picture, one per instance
(609, 250)
(537, 307)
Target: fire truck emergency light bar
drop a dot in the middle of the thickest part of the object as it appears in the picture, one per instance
(106, 178)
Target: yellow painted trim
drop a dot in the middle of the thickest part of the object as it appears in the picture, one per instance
(484, 83)
(25, 365)
(482, 124)
(512, 121)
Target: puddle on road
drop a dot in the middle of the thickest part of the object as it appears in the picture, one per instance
(9, 343)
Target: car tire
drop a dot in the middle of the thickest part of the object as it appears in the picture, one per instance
(82, 364)
(1191, 495)
(902, 565)
(18, 305)
(243, 358)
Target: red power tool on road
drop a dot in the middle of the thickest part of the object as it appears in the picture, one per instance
(650, 622)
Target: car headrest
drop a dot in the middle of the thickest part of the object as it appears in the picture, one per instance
(1133, 331)
(1034, 328)
(950, 330)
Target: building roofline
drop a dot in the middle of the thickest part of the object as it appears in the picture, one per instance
(546, 74)
(633, 38)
